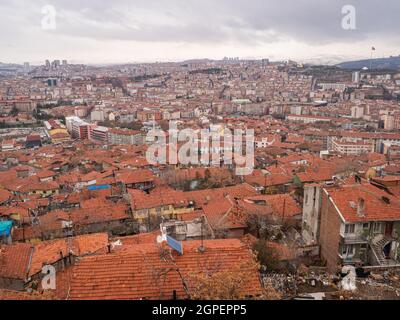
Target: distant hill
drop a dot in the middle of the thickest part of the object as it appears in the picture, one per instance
(380, 63)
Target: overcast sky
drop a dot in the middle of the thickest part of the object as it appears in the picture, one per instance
(117, 31)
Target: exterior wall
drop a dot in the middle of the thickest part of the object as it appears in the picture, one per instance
(44, 193)
(307, 120)
(99, 134)
(12, 284)
(311, 214)
(237, 233)
(352, 149)
(97, 115)
(168, 212)
(116, 227)
(136, 139)
(329, 233)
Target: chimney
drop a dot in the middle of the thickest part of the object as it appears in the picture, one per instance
(360, 207)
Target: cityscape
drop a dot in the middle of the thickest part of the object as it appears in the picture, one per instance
(232, 177)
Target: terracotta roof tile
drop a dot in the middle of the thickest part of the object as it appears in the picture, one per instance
(144, 272)
(378, 204)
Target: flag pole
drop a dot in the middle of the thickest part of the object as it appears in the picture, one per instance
(370, 61)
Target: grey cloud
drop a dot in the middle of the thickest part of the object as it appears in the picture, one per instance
(220, 20)
(204, 22)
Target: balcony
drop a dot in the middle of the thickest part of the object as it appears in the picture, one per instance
(354, 238)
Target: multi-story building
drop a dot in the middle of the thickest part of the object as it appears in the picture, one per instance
(8, 145)
(78, 128)
(56, 131)
(307, 119)
(357, 112)
(124, 136)
(148, 115)
(98, 134)
(98, 115)
(389, 122)
(311, 216)
(351, 148)
(354, 224)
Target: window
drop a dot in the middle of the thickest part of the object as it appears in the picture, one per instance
(349, 229)
(348, 250)
(365, 226)
(378, 227)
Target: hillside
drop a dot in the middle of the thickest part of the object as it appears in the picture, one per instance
(380, 63)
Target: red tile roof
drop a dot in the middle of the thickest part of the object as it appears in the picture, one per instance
(132, 177)
(282, 204)
(4, 195)
(223, 214)
(346, 199)
(201, 197)
(14, 260)
(49, 252)
(145, 272)
(18, 295)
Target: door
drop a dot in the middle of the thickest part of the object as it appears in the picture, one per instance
(389, 229)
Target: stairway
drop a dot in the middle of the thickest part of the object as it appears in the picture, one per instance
(377, 247)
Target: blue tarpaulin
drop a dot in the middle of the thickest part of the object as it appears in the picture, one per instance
(98, 187)
(5, 228)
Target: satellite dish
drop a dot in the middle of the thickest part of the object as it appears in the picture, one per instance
(161, 239)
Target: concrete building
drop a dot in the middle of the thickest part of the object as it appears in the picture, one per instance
(98, 134)
(124, 136)
(98, 115)
(311, 213)
(307, 119)
(357, 112)
(389, 122)
(352, 148)
(78, 128)
(296, 110)
(355, 77)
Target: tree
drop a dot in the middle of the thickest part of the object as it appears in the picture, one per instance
(164, 125)
(14, 111)
(267, 256)
(231, 284)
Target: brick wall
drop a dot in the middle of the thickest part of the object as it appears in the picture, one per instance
(329, 233)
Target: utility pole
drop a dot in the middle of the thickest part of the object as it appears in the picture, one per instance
(284, 208)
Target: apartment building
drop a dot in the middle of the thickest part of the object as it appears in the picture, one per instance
(98, 134)
(78, 128)
(308, 119)
(352, 148)
(359, 225)
(124, 136)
